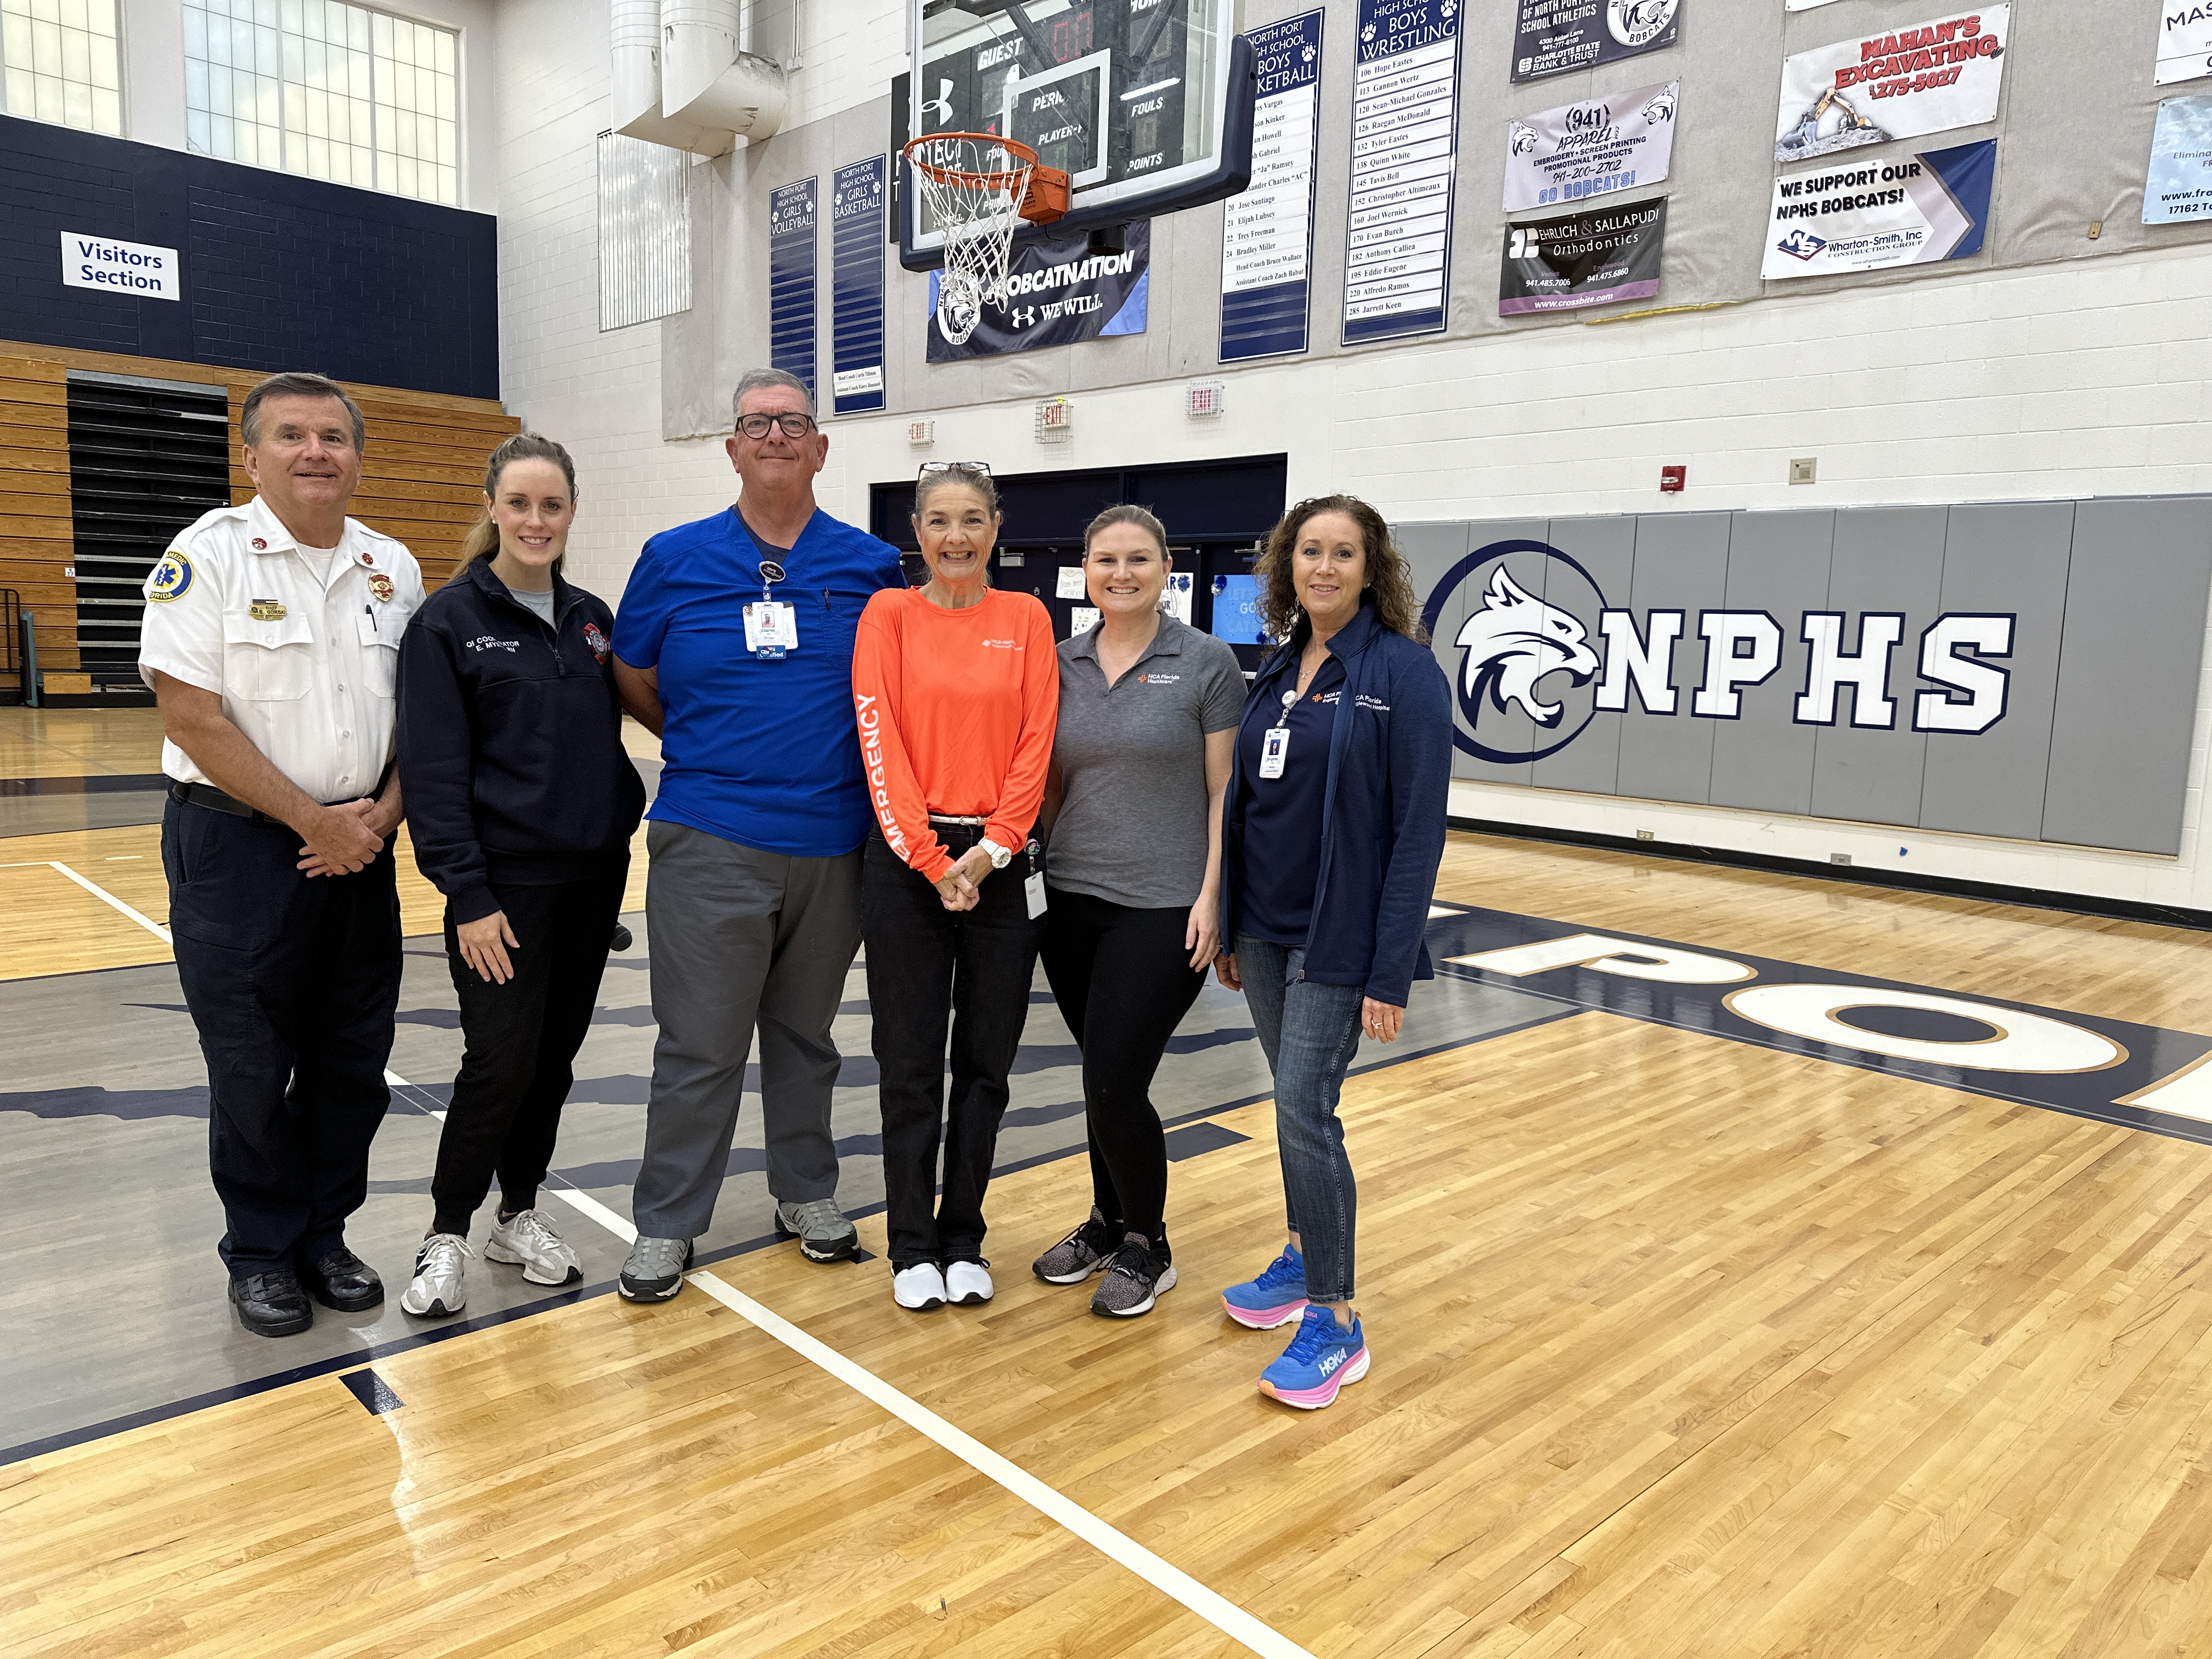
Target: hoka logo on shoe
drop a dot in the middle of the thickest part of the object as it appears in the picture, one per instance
(1332, 1362)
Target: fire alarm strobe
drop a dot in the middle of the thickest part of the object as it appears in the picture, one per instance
(1671, 478)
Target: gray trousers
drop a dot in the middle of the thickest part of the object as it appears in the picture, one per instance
(740, 937)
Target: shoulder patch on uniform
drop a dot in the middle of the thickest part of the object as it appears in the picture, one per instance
(171, 578)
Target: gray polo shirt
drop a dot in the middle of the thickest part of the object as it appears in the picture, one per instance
(1132, 827)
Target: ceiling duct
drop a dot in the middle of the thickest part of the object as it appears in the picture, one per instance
(682, 76)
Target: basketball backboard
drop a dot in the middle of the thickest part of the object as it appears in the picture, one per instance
(1145, 104)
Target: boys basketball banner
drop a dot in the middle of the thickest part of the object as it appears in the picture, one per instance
(1897, 83)
(1404, 136)
(1057, 293)
(1580, 150)
(1594, 259)
(1904, 211)
(1267, 234)
(1553, 36)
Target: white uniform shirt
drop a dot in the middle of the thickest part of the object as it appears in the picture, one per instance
(305, 667)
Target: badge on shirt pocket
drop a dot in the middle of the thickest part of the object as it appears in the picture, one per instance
(266, 610)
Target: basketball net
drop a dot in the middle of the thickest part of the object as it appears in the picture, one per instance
(974, 187)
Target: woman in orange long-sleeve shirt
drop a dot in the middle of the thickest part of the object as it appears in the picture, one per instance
(955, 687)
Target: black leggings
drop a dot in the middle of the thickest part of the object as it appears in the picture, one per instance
(1123, 981)
(521, 1037)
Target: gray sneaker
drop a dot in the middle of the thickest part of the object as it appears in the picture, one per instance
(438, 1288)
(1134, 1279)
(821, 1229)
(654, 1271)
(1081, 1253)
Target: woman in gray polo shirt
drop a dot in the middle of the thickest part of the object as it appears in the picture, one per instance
(1148, 712)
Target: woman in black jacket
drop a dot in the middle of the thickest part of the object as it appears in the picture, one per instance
(521, 802)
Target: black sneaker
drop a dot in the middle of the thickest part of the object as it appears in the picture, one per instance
(272, 1302)
(1081, 1253)
(1135, 1278)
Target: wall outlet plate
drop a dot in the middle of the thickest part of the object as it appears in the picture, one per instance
(1805, 469)
(1643, 835)
(1839, 858)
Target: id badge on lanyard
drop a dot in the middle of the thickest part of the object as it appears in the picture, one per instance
(771, 625)
(1275, 742)
(1033, 886)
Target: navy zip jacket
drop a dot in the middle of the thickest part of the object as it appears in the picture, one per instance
(510, 759)
(1383, 813)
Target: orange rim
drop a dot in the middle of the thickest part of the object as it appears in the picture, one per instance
(1003, 180)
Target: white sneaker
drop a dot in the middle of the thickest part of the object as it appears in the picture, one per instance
(528, 1240)
(921, 1287)
(437, 1291)
(968, 1282)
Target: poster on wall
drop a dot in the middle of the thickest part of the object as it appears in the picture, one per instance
(1057, 293)
(2179, 186)
(1267, 234)
(2184, 41)
(1595, 258)
(791, 279)
(1902, 211)
(1551, 37)
(1405, 127)
(856, 286)
(1899, 84)
(1590, 149)
(1804, 5)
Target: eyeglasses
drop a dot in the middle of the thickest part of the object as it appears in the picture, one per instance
(794, 425)
(982, 468)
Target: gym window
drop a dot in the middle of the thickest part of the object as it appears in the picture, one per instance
(59, 63)
(324, 90)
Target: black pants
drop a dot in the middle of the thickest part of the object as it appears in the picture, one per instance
(292, 983)
(521, 1038)
(1123, 981)
(928, 965)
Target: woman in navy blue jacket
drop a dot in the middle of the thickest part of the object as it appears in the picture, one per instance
(1331, 835)
(521, 801)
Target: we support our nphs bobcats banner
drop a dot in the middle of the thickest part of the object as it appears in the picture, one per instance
(1891, 83)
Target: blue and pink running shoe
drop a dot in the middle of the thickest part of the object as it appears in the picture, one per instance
(1275, 1297)
(1321, 1358)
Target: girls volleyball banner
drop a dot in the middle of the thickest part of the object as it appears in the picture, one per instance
(1897, 83)
(1903, 210)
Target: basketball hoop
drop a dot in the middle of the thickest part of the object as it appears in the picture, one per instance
(978, 188)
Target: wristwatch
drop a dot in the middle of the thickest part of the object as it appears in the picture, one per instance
(1000, 858)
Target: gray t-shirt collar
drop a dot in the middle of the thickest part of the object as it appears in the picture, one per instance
(1166, 642)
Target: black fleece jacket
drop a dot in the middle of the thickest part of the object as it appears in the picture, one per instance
(511, 757)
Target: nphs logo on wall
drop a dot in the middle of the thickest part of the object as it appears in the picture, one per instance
(1542, 654)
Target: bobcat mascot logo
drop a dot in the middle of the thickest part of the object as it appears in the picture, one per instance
(1514, 641)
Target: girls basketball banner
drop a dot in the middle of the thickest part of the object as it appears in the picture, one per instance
(1903, 210)
(1551, 37)
(1585, 150)
(1898, 83)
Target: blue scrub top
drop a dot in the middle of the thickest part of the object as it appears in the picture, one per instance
(1281, 864)
(762, 753)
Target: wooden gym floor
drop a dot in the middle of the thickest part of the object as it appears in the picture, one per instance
(1682, 1347)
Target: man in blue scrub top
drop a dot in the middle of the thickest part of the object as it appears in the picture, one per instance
(734, 643)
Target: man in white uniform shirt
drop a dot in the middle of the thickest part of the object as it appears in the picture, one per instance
(271, 638)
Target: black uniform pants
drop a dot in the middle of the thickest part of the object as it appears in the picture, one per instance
(1123, 981)
(521, 1040)
(292, 983)
(928, 966)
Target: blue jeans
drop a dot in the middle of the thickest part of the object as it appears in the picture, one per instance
(1310, 1033)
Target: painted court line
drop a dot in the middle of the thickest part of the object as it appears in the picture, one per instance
(1172, 1581)
(108, 898)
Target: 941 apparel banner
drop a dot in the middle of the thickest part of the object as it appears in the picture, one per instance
(1595, 258)
(1057, 293)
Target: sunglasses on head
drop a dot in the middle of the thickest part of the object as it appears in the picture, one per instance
(794, 425)
(981, 468)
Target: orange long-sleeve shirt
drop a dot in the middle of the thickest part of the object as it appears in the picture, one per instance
(956, 711)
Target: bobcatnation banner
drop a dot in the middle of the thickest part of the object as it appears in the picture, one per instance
(1902, 211)
(1592, 259)
(1900, 83)
(1057, 293)
(1551, 37)
(1579, 150)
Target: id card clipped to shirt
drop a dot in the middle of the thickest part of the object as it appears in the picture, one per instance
(1275, 742)
(771, 629)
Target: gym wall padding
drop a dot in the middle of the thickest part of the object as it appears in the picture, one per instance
(2107, 599)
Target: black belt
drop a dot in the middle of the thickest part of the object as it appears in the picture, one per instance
(202, 794)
